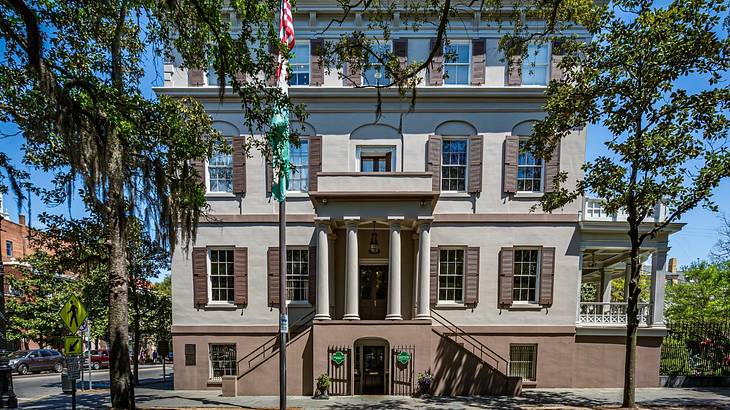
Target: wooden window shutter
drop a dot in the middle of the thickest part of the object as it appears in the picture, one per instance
(400, 49)
(478, 61)
(506, 275)
(274, 51)
(316, 70)
(315, 161)
(199, 167)
(552, 169)
(239, 165)
(434, 276)
(556, 73)
(312, 276)
(515, 71)
(434, 160)
(511, 156)
(200, 276)
(476, 153)
(272, 258)
(436, 69)
(353, 76)
(240, 276)
(196, 77)
(547, 275)
(269, 175)
(471, 279)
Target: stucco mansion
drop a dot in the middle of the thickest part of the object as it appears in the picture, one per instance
(412, 243)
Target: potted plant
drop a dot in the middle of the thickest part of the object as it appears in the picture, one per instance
(424, 381)
(323, 387)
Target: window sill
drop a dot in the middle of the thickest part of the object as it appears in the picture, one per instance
(220, 195)
(452, 194)
(298, 304)
(297, 194)
(529, 194)
(444, 305)
(525, 306)
(220, 306)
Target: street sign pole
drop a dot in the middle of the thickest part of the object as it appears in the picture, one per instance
(88, 348)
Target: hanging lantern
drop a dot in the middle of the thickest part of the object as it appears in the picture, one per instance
(374, 247)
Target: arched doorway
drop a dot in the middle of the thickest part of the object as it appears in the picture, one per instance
(371, 366)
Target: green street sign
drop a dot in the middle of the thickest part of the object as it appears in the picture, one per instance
(403, 357)
(73, 314)
(338, 357)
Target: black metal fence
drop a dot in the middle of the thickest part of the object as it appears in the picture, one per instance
(696, 349)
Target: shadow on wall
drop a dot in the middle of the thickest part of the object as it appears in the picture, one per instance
(458, 372)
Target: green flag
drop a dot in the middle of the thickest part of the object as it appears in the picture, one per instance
(279, 140)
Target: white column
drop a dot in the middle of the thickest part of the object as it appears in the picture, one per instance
(604, 294)
(331, 240)
(416, 274)
(424, 269)
(323, 277)
(658, 284)
(394, 271)
(352, 310)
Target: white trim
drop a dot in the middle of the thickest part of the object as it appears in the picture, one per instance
(468, 63)
(445, 138)
(547, 65)
(206, 165)
(211, 302)
(309, 62)
(526, 194)
(447, 302)
(298, 302)
(376, 148)
(538, 272)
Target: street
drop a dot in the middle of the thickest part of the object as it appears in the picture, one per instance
(34, 387)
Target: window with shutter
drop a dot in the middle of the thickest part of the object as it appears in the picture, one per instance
(509, 171)
(200, 276)
(436, 68)
(478, 61)
(240, 276)
(433, 159)
(239, 165)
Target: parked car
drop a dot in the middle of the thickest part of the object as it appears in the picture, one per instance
(99, 359)
(36, 360)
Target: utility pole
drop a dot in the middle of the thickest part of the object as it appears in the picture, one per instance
(283, 313)
(8, 400)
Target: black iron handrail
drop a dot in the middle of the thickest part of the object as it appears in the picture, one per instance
(302, 322)
(494, 356)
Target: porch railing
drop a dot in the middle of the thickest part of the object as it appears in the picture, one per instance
(610, 313)
(593, 211)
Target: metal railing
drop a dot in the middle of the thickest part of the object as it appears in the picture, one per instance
(610, 313)
(593, 210)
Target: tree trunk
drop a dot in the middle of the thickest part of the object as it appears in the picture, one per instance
(632, 325)
(135, 326)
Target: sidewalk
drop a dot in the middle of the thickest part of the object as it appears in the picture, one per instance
(159, 397)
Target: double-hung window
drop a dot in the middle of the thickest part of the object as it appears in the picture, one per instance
(535, 65)
(451, 275)
(300, 159)
(9, 248)
(526, 274)
(221, 275)
(529, 170)
(453, 164)
(222, 361)
(457, 62)
(297, 275)
(220, 172)
(376, 158)
(299, 64)
(376, 74)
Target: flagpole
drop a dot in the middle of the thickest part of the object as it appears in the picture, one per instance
(283, 313)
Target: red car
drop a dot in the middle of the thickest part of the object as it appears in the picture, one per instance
(99, 359)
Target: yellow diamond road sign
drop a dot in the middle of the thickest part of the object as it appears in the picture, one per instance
(73, 314)
(72, 346)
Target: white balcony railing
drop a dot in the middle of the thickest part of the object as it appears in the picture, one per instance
(593, 211)
(610, 313)
(394, 182)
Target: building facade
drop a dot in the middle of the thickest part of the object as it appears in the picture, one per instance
(412, 241)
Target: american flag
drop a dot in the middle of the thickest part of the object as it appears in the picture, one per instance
(286, 35)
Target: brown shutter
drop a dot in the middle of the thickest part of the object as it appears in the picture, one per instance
(274, 51)
(269, 175)
(436, 69)
(200, 276)
(506, 275)
(547, 276)
(552, 169)
(556, 73)
(511, 155)
(272, 258)
(239, 165)
(312, 276)
(434, 161)
(353, 76)
(400, 49)
(199, 167)
(478, 61)
(316, 71)
(515, 72)
(315, 161)
(471, 285)
(240, 276)
(434, 275)
(476, 152)
(196, 77)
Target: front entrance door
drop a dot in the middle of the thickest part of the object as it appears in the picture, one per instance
(373, 291)
(372, 369)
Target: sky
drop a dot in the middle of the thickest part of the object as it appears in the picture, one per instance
(693, 242)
